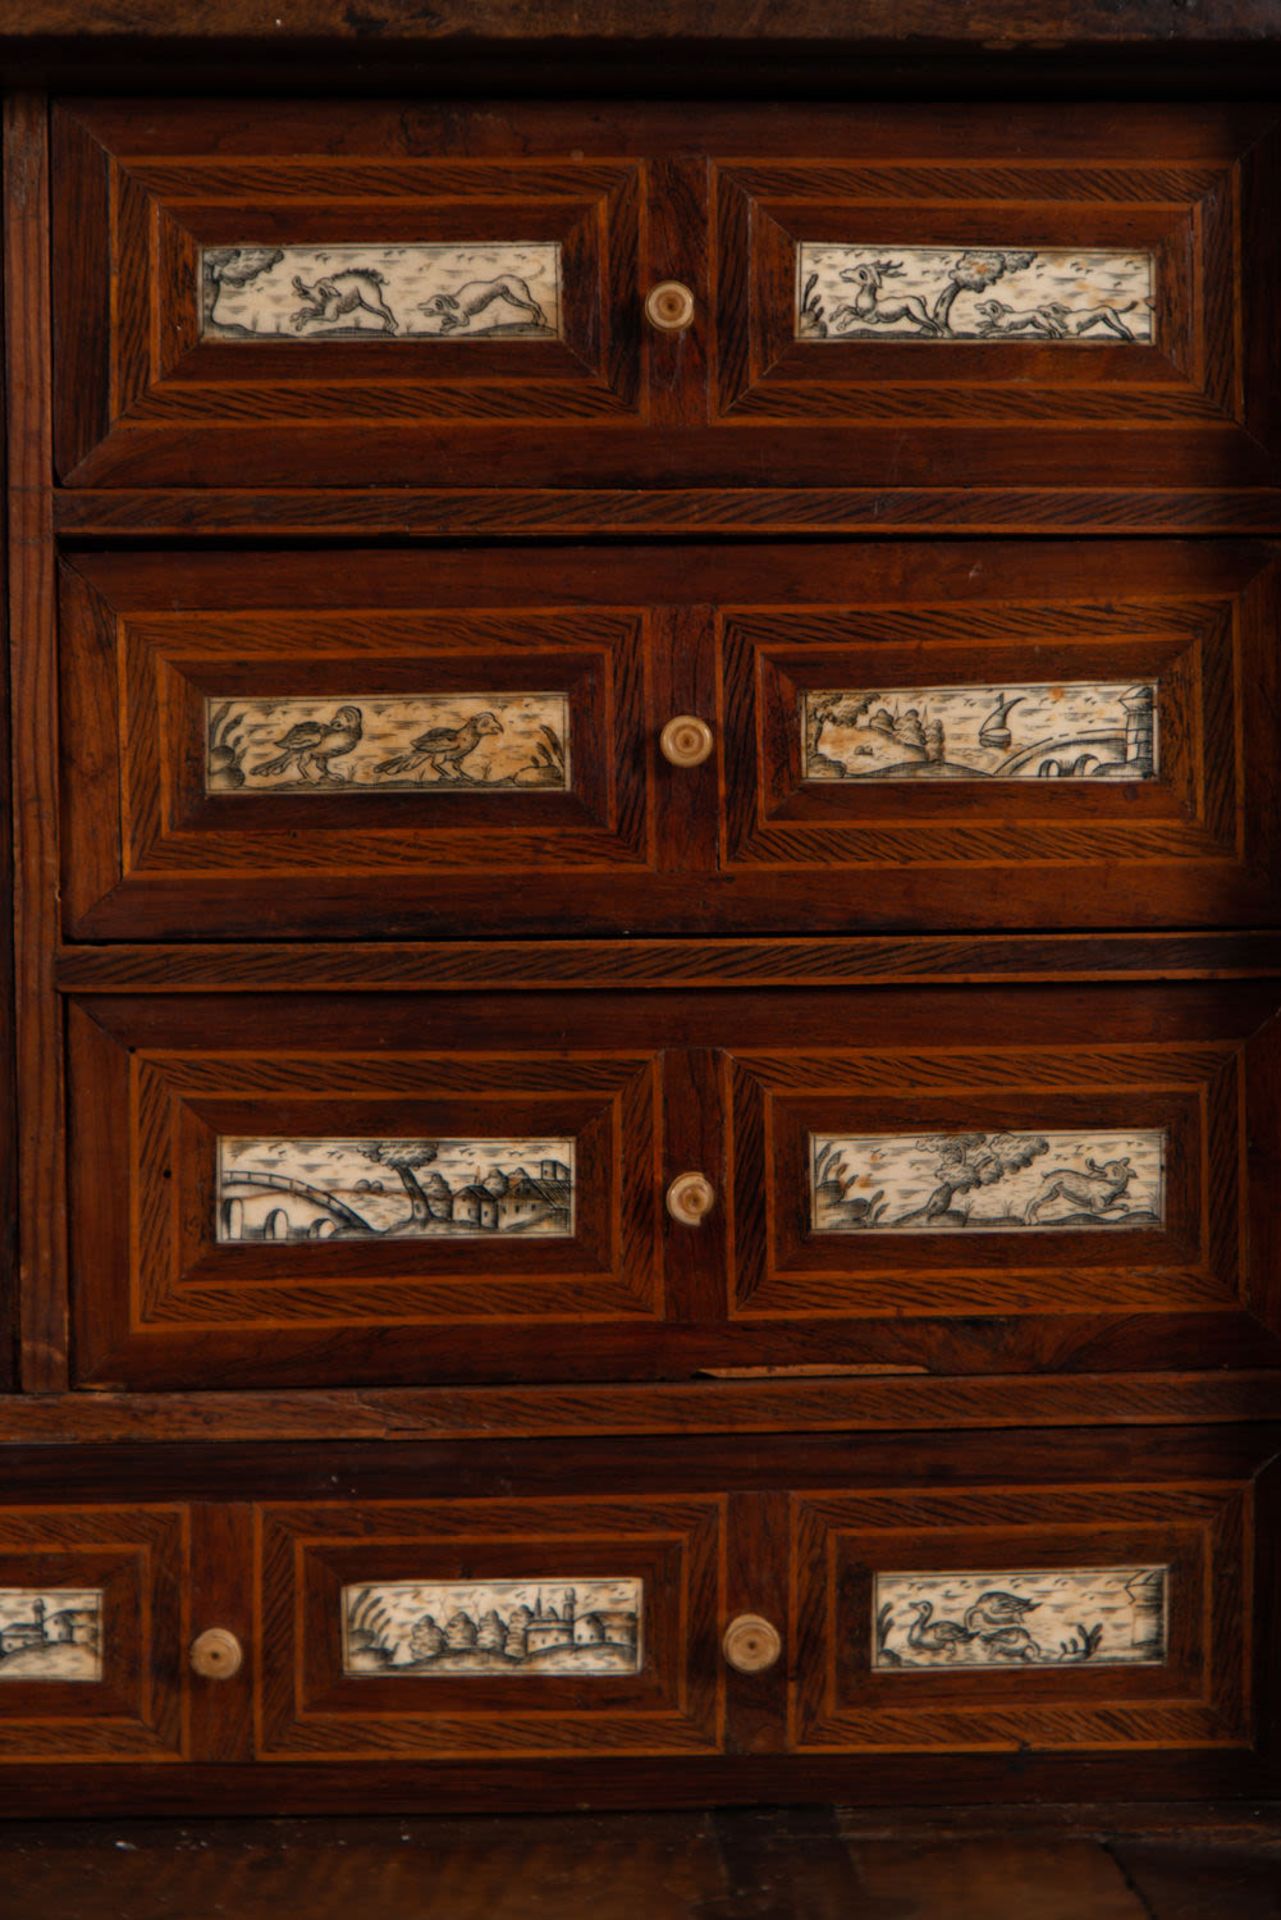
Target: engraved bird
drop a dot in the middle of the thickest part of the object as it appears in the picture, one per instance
(995, 1612)
(443, 749)
(311, 744)
(941, 1636)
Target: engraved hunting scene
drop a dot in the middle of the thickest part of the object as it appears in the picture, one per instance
(989, 1182)
(504, 289)
(946, 293)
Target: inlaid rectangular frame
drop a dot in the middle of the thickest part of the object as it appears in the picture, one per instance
(148, 843)
(158, 1300)
(311, 1709)
(137, 1558)
(1196, 1696)
(164, 399)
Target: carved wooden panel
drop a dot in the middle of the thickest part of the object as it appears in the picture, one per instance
(339, 290)
(455, 765)
(1040, 1161)
(344, 294)
(489, 1629)
(949, 276)
(91, 1633)
(334, 1191)
(957, 757)
(1029, 1617)
(945, 736)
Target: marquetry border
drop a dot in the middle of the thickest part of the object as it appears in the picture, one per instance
(307, 1709)
(138, 1556)
(1201, 1697)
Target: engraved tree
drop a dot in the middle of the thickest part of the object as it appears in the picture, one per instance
(973, 272)
(406, 1158)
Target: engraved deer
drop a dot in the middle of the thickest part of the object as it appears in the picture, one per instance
(870, 310)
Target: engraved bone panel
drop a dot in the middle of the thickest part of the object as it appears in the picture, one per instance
(1074, 294)
(1017, 1617)
(487, 1628)
(492, 742)
(1056, 1616)
(504, 1627)
(299, 1189)
(50, 1633)
(501, 290)
(1082, 731)
(987, 1182)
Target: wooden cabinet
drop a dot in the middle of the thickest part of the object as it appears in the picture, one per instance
(647, 964)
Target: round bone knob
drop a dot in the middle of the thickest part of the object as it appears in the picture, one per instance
(669, 306)
(216, 1654)
(690, 1198)
(686, 741)
(751, 1644)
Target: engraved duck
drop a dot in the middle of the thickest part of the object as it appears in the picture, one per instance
(443, 749)
(994, 1612)
(942, 1636)
(311, 744)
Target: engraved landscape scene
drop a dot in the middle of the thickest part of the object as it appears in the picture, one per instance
(388, 743)
(330, 1189)
(991, 1182)
(1072, 730)
(50, 1633)
(974, 293)
(507, 289)
(493, 1627)
(1066, 1616)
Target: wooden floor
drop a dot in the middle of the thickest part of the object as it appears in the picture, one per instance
(775, 1864)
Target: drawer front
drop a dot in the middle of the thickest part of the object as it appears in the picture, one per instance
(1031, 1618)
(491, 1629)
(91, 1633)
(946, 736)
(904, 297)
(399, 1187)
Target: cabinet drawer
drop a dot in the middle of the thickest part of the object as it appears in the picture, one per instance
(92, 1606)
(491, 1629)
(464, 744)
(336, 294)
(393, 1187)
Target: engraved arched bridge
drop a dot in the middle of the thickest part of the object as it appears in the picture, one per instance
(282, 1183)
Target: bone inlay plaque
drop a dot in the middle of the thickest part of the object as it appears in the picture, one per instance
(499, 289)
(1067, 730)
(1061, 1616)
(493, 1627)
(1064, 294)
(322, 1189)
(50, 1633)
(388, 743)
(989, 1182)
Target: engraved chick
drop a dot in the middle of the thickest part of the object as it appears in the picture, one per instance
(443, 749)
(311, 744)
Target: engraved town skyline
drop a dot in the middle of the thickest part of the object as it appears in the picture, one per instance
(483, 1628)
(1060, 1616)
(1081, 295)
(272, 1188)
(494, 289)
(989, 1182)
(1059, 730)
(387, 743)
(50, 1633)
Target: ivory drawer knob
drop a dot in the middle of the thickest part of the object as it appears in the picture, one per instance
(751, 1644)
(669, 306)
(216, 1654)
(690, 1198)
(686, 741)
